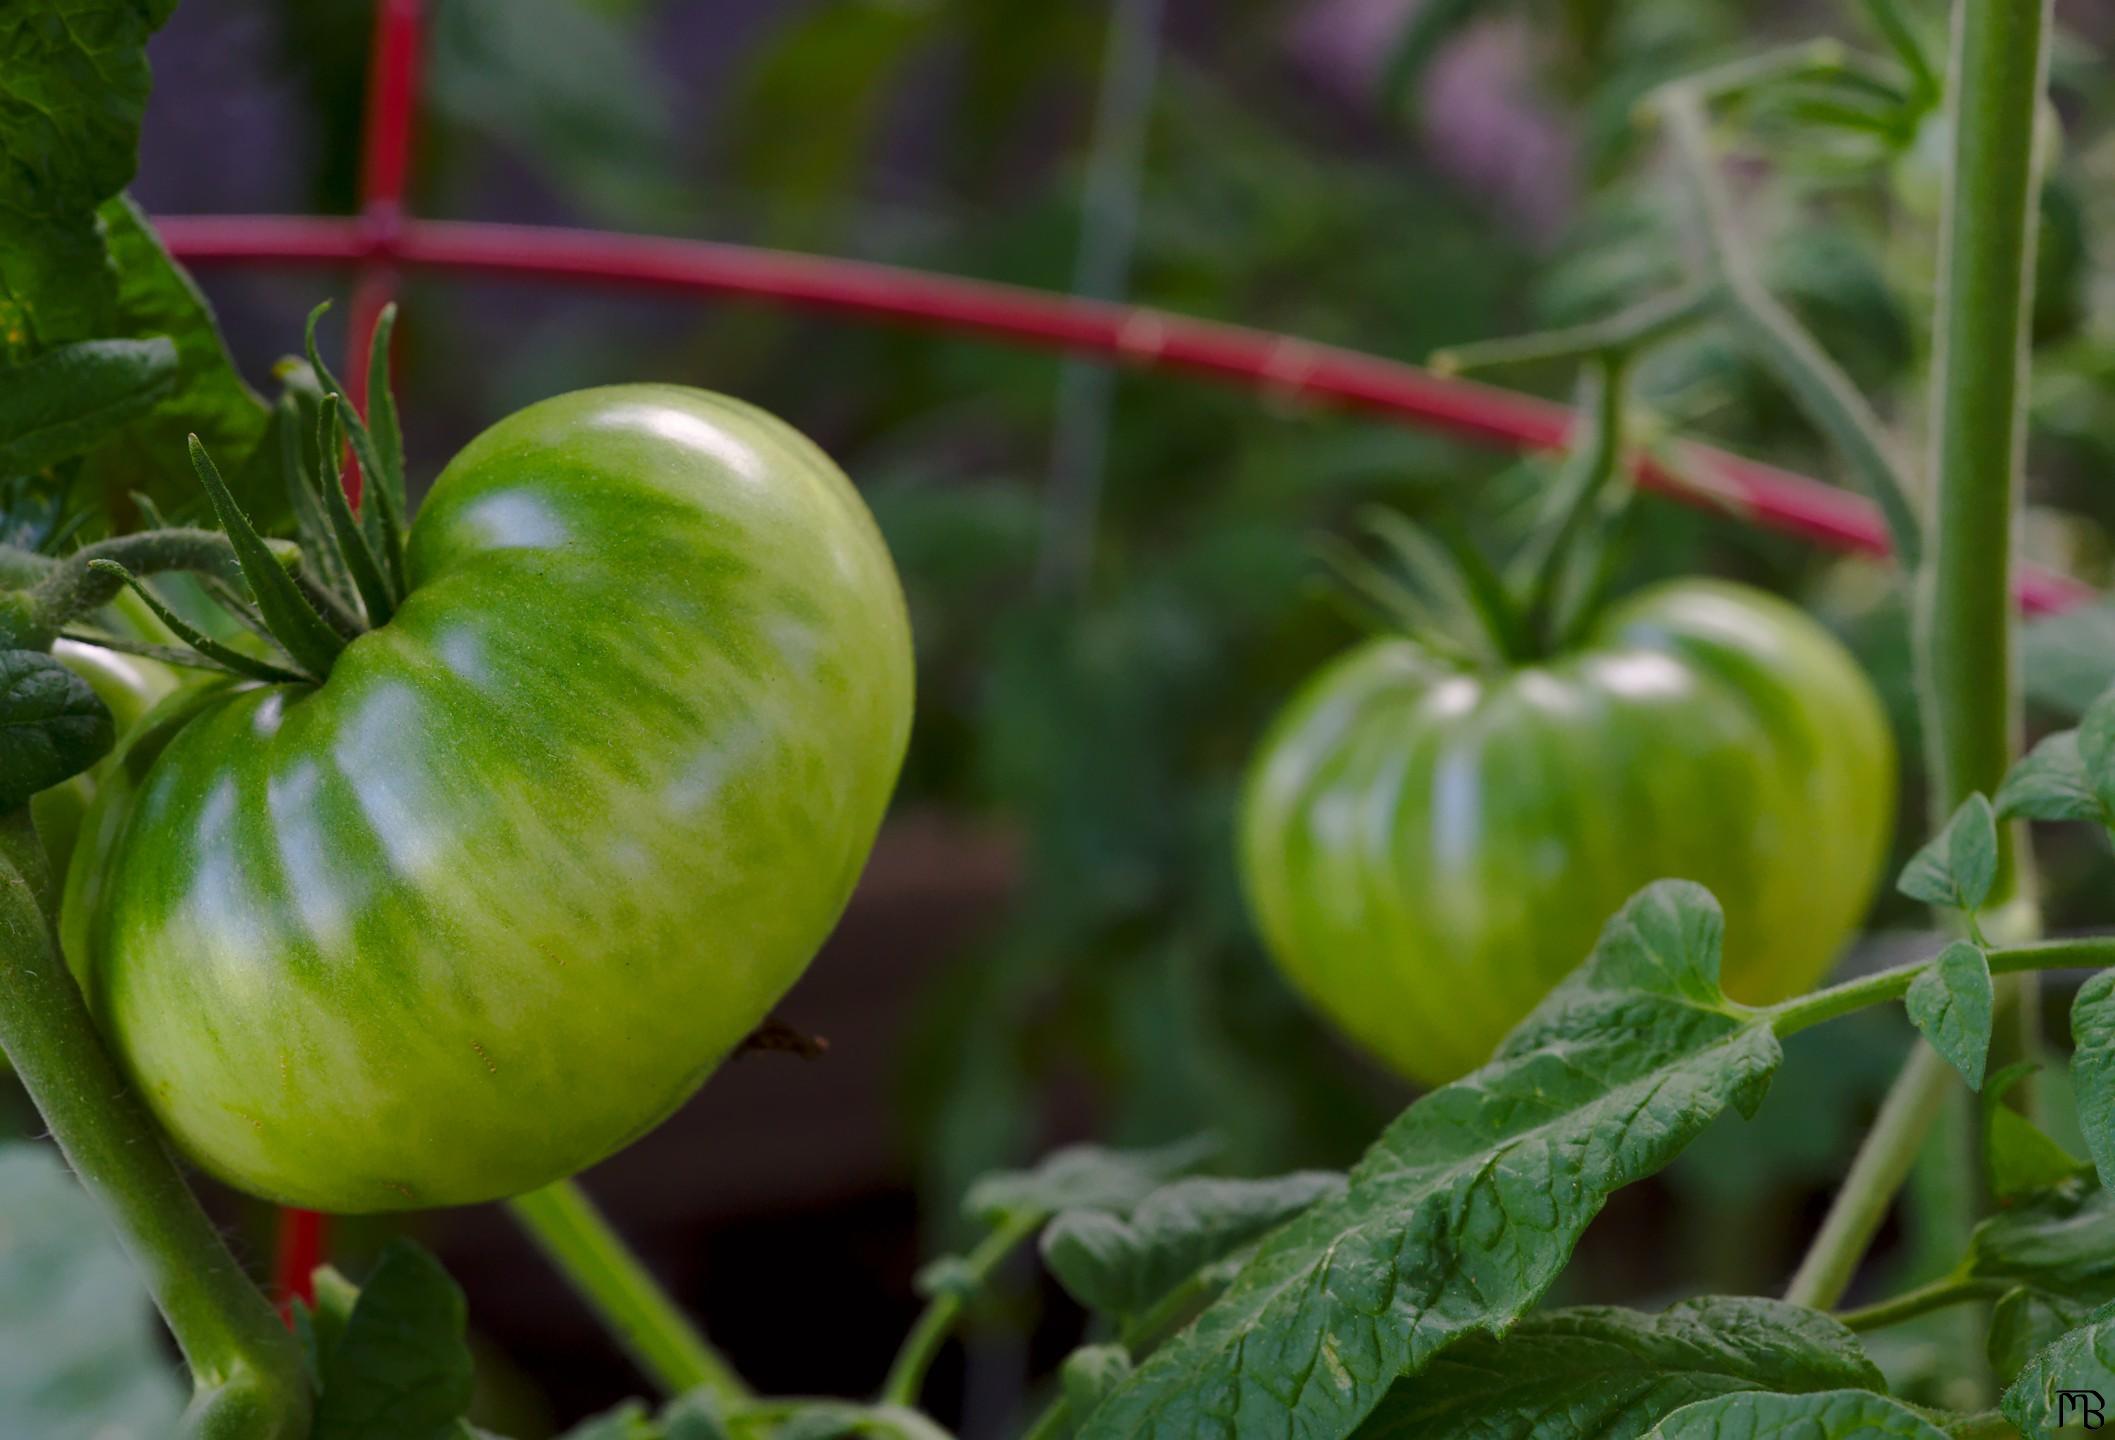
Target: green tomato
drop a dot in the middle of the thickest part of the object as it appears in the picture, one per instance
(495, 898)
(1429, 848)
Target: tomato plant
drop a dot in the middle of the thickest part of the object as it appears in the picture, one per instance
(492, 830)
(1431, 845)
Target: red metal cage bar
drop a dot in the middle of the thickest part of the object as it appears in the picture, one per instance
(383, 239)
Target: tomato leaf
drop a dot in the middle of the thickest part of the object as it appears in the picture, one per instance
(2019, 1158)
(2050, 783)
(2024, 1322)
(69, 399)
(207, 396)
(1120, 1266)
(1467, 1208)
(1083, 1177)
(82, 1346)
(1831, 1415)
(2060, 1243)
(2081, 1359)
(1950, 1005)
(401, 1369)
(52, 726)
(1607, 1374)
(696, 1416)
(309, 641)
(2093, 1068)
(72, 89)
(845, 1420)
(1957, 867)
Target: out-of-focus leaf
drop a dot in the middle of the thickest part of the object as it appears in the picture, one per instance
(73, 85)
(79, 1354)
(156, 297)
(1607, 1374)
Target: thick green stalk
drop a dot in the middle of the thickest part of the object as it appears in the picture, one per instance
(1968, 695)
(245, 1366)
(55, 593)
(565, 1224)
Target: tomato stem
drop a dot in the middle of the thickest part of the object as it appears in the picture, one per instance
(1967, 692)
(906, 1378)
(1910, 1304)
(1611, 338)
(63, 591)
(653, 1330)
(246, 1368)
(1775, 338)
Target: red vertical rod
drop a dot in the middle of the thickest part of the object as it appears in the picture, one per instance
(385, 169)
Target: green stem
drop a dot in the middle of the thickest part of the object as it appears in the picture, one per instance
(1967, 692)
(245, 1366)
(65, 590)
(1777, 340)
(1890, 1148)
(1053, 1421)
(906, 1376)
(1593, 466)
(576, 1237)
(1868, 1190)
(2086, 952)
(1939, 1294)
(1986, 283)
(1614, 337)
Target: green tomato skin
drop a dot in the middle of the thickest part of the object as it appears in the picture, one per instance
(1428, 850)
(497, 896)
(129, 686)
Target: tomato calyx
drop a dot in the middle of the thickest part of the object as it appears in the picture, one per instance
(1434, 584)
(301, 602)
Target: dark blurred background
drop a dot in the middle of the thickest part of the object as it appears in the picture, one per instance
(1112, 585)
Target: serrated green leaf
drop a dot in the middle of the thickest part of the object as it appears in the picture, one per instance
(2024, 1322)
(2050, 783)
(2063, 1244)
(1121, 1266)
(321, 1324)
(2019, 1158)
(2093, 1068)
(71, 398)
(1957, 867)
(1950, 1004)
(2081, 1359)
(73, 85)
(1836, 1415)
(208, 396)
(52, 725)
(1601, 1373)
(1467, 1208)
(401, 1370)
(2096, 749)
(1083, 1177)
(80, 1351)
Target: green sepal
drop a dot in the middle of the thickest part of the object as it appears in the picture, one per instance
(352, 544)
(384, 520)
(223, 657)
(52, 725)
(382, 409)
(318, 543)
(307, 638)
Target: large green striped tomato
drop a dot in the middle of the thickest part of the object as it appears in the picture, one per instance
(1429, 848)
(496, 896)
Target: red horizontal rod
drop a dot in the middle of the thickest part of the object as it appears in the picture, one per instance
(1279, 365)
